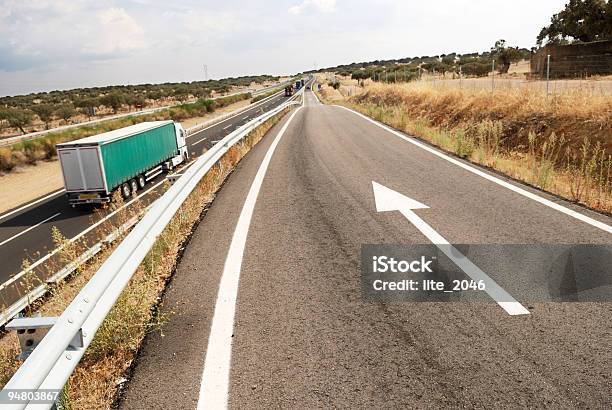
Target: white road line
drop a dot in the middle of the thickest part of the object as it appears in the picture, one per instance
(514, 188)
(87, 230)
(14, 211)
(265, 100)
(205, 138)
(214, 387)
(29, 229)
(197, 142)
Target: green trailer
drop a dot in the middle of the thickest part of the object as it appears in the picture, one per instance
(124, 159)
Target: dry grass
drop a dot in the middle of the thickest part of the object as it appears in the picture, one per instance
(562, 144)
(95, 381)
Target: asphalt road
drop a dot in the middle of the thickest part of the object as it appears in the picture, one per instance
(25, 232)
(297, 331)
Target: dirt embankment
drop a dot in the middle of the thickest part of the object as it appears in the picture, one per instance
(28, 183)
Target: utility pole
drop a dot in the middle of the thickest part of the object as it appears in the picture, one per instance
(460, 78)
(493, 77)
(547, 73)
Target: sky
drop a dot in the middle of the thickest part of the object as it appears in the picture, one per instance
(61, 44)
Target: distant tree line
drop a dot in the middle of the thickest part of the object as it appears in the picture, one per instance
(21, 110)
(408, 69)
(579, 21)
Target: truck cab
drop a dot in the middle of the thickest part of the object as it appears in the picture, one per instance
(182, 153)
(181, 144)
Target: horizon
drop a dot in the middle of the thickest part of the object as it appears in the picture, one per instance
(61, 45)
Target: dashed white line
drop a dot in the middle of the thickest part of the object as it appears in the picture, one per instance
(264, 101)
(29, 229)
(87, 230)
(199, 141)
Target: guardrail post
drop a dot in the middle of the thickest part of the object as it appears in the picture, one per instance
(31, 330)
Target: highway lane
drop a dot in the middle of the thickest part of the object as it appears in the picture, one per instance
(26, 234)
(301, 334)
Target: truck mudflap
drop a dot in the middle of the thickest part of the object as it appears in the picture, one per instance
(87, 198)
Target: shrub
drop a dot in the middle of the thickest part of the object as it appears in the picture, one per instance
(6, 160)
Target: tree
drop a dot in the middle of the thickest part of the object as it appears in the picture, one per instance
(138, 101)
(88, 105)
(505, 55)
(19, 118)
(44, 112)
(181, 92)
(113, 100)
(583, 20)
(65, 112)
(476, 68)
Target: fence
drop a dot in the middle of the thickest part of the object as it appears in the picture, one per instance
(573, 60)
(553, 83)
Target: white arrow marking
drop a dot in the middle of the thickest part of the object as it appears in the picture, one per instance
(389, 200)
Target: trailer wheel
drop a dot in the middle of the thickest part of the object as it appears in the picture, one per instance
(141, 181)
(133, 185)
(126, 192)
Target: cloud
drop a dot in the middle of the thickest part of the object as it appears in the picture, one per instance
(117, 32)
(38, 34)
(324, 6)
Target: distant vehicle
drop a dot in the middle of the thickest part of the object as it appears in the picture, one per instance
(302, 82)
(289, 91)
(298, 84)
(124, 159)
(308, 87)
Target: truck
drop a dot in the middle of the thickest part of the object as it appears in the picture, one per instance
(302, 82)
(298, 84)
(289, 91)
(121, 160)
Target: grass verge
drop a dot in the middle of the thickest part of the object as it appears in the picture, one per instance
(562, 145)
(99, 375)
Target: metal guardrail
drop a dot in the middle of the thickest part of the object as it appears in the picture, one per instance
(53, 360)
(201, 126)
(41, 289)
